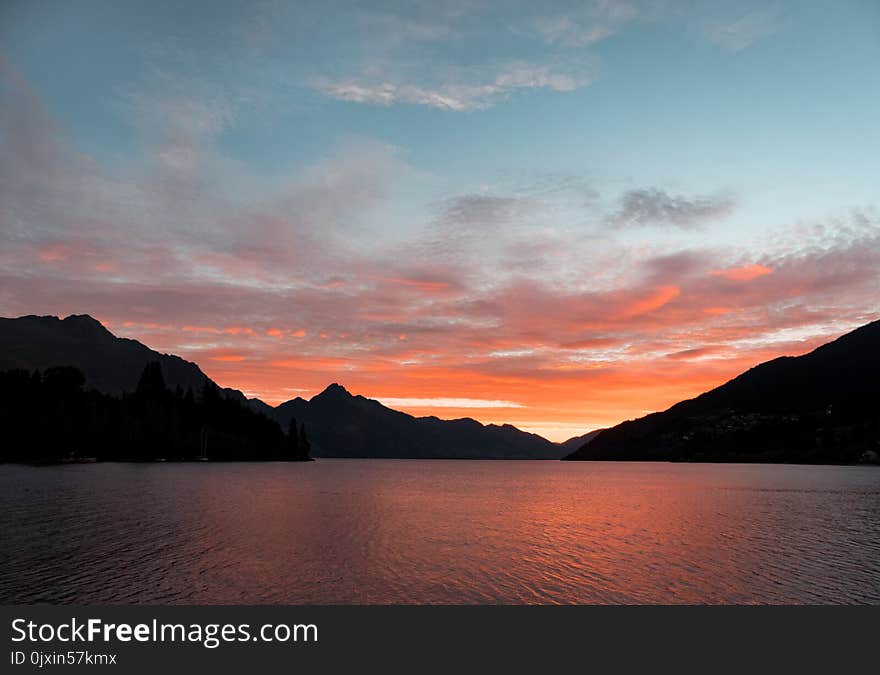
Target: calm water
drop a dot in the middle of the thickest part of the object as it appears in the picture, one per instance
(386, 531)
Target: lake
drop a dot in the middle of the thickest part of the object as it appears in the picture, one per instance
(411, 531)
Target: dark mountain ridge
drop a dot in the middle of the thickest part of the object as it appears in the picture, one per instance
(823, 406)
(345, 425)
(111, 365)
(576, 442)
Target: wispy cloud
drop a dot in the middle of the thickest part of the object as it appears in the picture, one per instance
(398, 69)
(458, 56)
(652, 206)
(463, 91)
(484, 211)
(740, 32)
(586, 23)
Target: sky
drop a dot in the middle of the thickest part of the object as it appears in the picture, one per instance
(558, 215)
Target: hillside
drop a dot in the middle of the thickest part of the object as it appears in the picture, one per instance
(820, 407)
(111, 365)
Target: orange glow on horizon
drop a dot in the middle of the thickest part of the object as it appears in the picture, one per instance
(557, 403)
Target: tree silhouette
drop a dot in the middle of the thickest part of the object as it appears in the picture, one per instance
(49, 417)
(151, 383)
(305, 446)
(293, 444)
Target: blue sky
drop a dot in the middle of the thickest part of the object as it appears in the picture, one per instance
(278, 148)
(660, 91)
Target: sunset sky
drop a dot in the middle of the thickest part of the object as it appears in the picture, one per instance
(558, 215)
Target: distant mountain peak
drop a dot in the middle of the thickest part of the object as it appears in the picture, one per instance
(342, 424)
(82, 318)
(85, 325)
(76, 326)
(334, 391)
(110, 364)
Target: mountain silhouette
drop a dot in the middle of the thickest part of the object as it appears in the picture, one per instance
(111, 365)
(576, 442)
(820, 407)
(345, 425)
(338, 424)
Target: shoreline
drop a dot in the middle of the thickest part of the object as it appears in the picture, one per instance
(437, 459)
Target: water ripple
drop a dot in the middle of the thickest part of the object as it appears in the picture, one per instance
(385, 531)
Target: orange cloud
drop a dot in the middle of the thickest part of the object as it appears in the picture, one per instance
(661, 297)
(53, 253)
(199, 329)
(238, 330)
(421, 285)
(744, 272)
